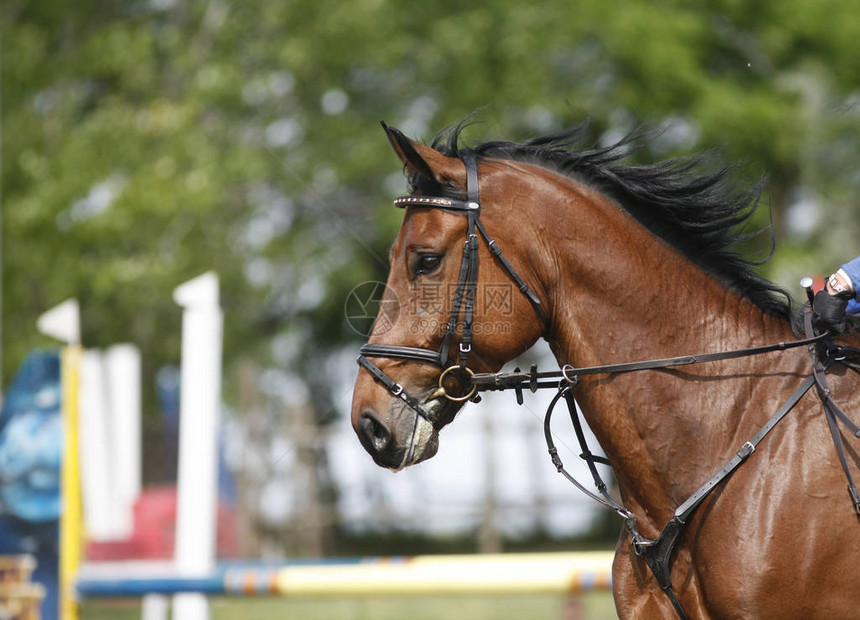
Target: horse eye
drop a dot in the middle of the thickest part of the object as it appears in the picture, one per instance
(428, 263)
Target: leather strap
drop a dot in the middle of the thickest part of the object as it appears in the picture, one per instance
(394, 388)
(432, 202)
(400, 352)
(832, 412)
(569, 371)
(657, 553)
(532, 380)
(683, 512)
(604, 498)
(472, 191)
(496, 251)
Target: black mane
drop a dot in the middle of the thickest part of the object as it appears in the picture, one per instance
(699, 213)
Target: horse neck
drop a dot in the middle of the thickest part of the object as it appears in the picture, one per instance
(621, 295)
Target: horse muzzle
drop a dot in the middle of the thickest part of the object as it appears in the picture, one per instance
(400, 438)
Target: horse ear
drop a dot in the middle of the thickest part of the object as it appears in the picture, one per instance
(425, 160)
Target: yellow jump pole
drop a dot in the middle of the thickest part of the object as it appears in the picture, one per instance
(71, 519)
(63, 322)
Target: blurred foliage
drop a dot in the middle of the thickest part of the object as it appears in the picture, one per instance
(147, 141)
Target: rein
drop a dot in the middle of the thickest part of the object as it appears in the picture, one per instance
(658, 552)
(533, 380)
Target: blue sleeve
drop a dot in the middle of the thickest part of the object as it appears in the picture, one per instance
(853, 270)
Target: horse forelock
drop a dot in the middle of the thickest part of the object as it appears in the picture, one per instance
(691, 203)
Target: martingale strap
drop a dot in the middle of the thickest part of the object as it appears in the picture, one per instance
(657, 553)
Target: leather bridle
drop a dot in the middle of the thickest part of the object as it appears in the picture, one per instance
(464, 298)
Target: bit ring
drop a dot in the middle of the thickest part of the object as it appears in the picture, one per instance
(457, 399)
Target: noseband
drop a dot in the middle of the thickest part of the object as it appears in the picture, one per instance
(464, 297)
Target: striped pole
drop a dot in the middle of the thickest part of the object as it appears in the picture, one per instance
(560, 573)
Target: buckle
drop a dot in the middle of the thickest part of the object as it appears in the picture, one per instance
(746, 450)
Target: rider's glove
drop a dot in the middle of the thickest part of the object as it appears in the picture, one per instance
(829, 311)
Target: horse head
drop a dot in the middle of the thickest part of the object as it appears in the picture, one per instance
(438, 322)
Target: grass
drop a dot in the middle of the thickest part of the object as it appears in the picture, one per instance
(589, 606)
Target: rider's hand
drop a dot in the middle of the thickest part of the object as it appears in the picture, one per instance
(829, 311)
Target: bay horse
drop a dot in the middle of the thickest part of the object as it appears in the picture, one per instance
(621, 262)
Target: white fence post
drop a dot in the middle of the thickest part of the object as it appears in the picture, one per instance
(123, 370)
(199, 404)
(97, 451)
(155, 607)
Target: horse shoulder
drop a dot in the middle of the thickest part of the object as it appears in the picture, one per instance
(782, 534)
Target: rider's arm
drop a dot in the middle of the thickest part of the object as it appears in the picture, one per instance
(845, 278)
(843, 282)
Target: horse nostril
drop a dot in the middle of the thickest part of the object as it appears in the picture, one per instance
(374, 432)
